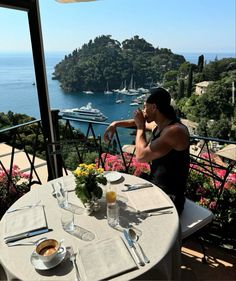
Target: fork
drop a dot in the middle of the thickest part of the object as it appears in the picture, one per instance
(73, 259)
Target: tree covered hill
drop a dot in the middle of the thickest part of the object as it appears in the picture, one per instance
(107, 60)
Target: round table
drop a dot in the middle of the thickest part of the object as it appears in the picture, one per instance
(159, 239)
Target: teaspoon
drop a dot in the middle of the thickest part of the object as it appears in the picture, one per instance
(134, 236)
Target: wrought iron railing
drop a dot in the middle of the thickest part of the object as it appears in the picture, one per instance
(67, 138)
(28, 138)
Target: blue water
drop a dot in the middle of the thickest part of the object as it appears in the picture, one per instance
(208, 57)
(18, 94)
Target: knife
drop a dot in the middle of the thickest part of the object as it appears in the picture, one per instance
(131, 245)
(26, 235)
(136, 186)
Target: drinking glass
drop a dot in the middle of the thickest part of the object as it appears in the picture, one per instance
(113, 214)
(111, 194)
(67, 220)
(61, 195)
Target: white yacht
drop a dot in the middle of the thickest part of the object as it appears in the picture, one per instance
(85, 113)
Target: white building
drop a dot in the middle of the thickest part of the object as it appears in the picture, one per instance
(201, 87)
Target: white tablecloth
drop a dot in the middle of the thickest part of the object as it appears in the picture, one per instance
(159, 239)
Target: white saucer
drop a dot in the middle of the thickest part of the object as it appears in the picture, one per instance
(112, 176)
(40, 265)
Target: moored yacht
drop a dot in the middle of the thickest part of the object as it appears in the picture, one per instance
(85, 113)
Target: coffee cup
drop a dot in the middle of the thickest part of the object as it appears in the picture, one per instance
(48, 249)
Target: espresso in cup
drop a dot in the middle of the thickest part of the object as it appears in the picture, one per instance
(47, 249)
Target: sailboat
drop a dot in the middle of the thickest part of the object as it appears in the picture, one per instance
(123, 89)
(131, 89)
(107, 91)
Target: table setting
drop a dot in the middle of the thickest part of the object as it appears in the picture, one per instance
(112, 242)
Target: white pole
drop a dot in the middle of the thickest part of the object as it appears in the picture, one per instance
(233, 89)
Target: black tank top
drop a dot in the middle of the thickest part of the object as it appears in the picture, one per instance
(170, 172)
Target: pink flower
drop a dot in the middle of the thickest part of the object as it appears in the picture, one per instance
(212, 205)
(116, 163)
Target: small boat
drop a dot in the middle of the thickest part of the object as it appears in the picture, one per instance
(119, 101)
(134, 104)
(137, 101)
(107, 91)
(88, 92)
(85, 113)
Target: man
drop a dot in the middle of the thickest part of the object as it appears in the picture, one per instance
(168, 150)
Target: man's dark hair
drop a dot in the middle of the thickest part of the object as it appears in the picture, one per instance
(161, 98)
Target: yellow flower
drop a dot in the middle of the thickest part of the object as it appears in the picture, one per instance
(100, 170)
(88, 178)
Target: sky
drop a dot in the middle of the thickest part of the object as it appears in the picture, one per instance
(184, 26)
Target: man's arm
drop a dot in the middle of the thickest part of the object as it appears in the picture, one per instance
(173, 137)
(109, 132)
(112, 127)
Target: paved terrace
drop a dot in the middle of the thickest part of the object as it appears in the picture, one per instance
(221, 264)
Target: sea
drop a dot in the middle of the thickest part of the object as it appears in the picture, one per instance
(18, 92)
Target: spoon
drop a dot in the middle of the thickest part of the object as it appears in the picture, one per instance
(134, 236)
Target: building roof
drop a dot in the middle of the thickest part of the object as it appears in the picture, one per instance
(228, 152)
(204, 83)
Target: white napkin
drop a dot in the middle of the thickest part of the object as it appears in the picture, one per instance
(105, 258)
(147, 199)
(24, 221)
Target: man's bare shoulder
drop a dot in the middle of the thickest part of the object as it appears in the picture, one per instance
(177, 136)
(176, 128)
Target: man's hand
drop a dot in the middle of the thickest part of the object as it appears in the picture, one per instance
(139, 119)
(108, 135)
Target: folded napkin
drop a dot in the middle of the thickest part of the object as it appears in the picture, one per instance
(105, 258)
(148, 199)
(22, 222)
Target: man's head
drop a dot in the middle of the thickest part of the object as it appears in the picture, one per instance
(160, 99)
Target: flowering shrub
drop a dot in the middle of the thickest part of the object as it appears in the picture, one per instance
(115, 163)
(87, 178)
(205, 188)
(12, 188)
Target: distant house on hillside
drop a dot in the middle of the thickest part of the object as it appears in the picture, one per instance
(228, 153)
(202, 86)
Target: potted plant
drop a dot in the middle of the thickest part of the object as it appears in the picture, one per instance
(88, 177)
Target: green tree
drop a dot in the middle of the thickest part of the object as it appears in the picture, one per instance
(202, 128)
(190, 81)
(180, 89)
(200, 63)
(220, 129)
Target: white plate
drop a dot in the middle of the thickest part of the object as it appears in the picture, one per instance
(40, 265)
(112, 176)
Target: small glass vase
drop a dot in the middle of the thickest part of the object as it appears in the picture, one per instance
(92, 206)
(96, 205)
(88, 207)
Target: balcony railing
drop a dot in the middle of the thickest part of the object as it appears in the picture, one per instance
(72, 147)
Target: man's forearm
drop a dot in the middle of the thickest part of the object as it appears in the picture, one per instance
(140, 143)
(124, 123)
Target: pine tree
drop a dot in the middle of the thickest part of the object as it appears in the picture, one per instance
(190, 81)
(200, 63)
